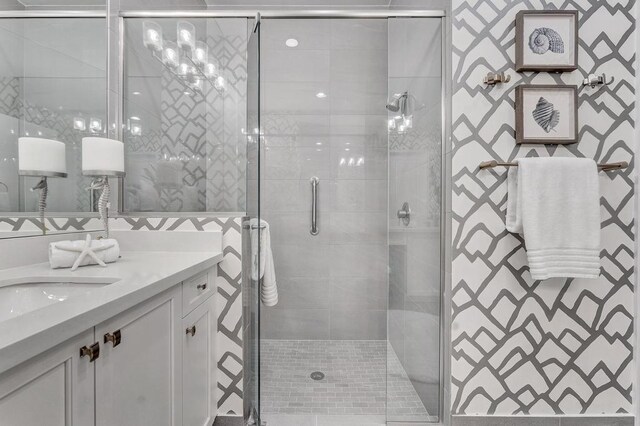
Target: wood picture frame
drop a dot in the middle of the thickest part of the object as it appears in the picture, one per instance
(547, 40)
(546, 114)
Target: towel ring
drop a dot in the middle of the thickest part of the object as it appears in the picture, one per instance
(6, 188)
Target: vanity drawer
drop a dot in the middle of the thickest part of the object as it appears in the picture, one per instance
(196, 290)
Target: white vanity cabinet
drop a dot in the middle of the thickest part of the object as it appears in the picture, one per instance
(138, 374)
(55, 388)
(199, 366)
(153, 364)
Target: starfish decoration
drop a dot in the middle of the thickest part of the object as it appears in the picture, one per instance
(84, 251)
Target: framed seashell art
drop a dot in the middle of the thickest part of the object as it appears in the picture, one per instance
(547, 40)
(546, 114)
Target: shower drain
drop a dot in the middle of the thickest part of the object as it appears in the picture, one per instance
(317, 375)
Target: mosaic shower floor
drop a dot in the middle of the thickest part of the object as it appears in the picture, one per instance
(355, 382)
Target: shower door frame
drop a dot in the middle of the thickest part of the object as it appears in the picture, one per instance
(446, 125)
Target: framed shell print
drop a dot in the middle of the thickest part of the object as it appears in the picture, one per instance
(546, 114)
(547, 40)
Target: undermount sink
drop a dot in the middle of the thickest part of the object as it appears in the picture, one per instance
(20, 298)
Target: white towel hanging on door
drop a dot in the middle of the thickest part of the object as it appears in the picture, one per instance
(266, 274)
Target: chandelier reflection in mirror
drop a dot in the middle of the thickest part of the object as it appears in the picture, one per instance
(187, 58)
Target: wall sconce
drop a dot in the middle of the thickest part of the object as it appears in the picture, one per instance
(220, 83)
(201, 54)
(135, 126)
(211, 70)
(170, 56)
(95, 125)
(44, 158)
(187, 58)
(79, 124)
(102, 158)
(186, 35)
(152, 35)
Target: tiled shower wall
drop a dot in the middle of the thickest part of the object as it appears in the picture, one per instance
(519, 346)
(333, 285)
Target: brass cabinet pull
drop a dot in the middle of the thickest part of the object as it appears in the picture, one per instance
(93, 351)
(201, 286)
(191, 330)
(115, 338)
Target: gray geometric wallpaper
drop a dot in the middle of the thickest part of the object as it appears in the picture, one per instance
(33, 226)
(559, 346)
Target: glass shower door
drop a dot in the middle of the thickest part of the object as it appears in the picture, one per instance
(251, 297)
(415, 219)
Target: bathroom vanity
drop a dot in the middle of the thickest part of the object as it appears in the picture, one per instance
(137, 349)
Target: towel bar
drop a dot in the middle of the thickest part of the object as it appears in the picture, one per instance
(603, 167)
(253, 226)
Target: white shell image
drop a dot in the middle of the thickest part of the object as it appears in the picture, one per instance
(544, 39)
(544, 114)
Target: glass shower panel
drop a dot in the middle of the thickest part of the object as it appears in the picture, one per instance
(53, 85)
(250, 294)
(184, 115)
(415, 191)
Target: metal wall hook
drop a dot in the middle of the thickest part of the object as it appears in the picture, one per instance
(594, 80)
(494, 78)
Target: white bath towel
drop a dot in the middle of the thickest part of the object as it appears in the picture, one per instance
(266, 273)
(60, 258)
(555, 204)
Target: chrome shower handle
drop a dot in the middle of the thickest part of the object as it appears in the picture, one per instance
(314, 206)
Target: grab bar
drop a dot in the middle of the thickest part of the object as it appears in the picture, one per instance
(314, 206)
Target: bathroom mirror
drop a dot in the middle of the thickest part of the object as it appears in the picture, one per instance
(52, 85)
(184, 103)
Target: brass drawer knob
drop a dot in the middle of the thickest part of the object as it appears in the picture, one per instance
(191, 330)
(115, 338)
(93, 351)
(201, 287)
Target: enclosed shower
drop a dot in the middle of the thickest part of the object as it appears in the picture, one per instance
(345, 164)
(328, 127)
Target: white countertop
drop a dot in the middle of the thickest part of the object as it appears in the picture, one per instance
(136, 277)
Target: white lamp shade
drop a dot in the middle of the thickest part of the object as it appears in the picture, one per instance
(41, 157)
(102, 157)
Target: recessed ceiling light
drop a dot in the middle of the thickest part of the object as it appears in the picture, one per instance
(133, 117)
(135, 93)
(291, 42)
(321, 95)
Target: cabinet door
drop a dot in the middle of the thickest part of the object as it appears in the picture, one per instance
(199, 365)
(53, 389)
(138, 380)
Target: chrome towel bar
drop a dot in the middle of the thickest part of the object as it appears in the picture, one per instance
(245, 226)
(605, 167)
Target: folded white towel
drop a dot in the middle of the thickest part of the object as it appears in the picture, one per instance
(266, 272)
(65, 258)
(555, 204)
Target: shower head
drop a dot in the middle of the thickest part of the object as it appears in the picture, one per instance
(402, 102)
(394, 104)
